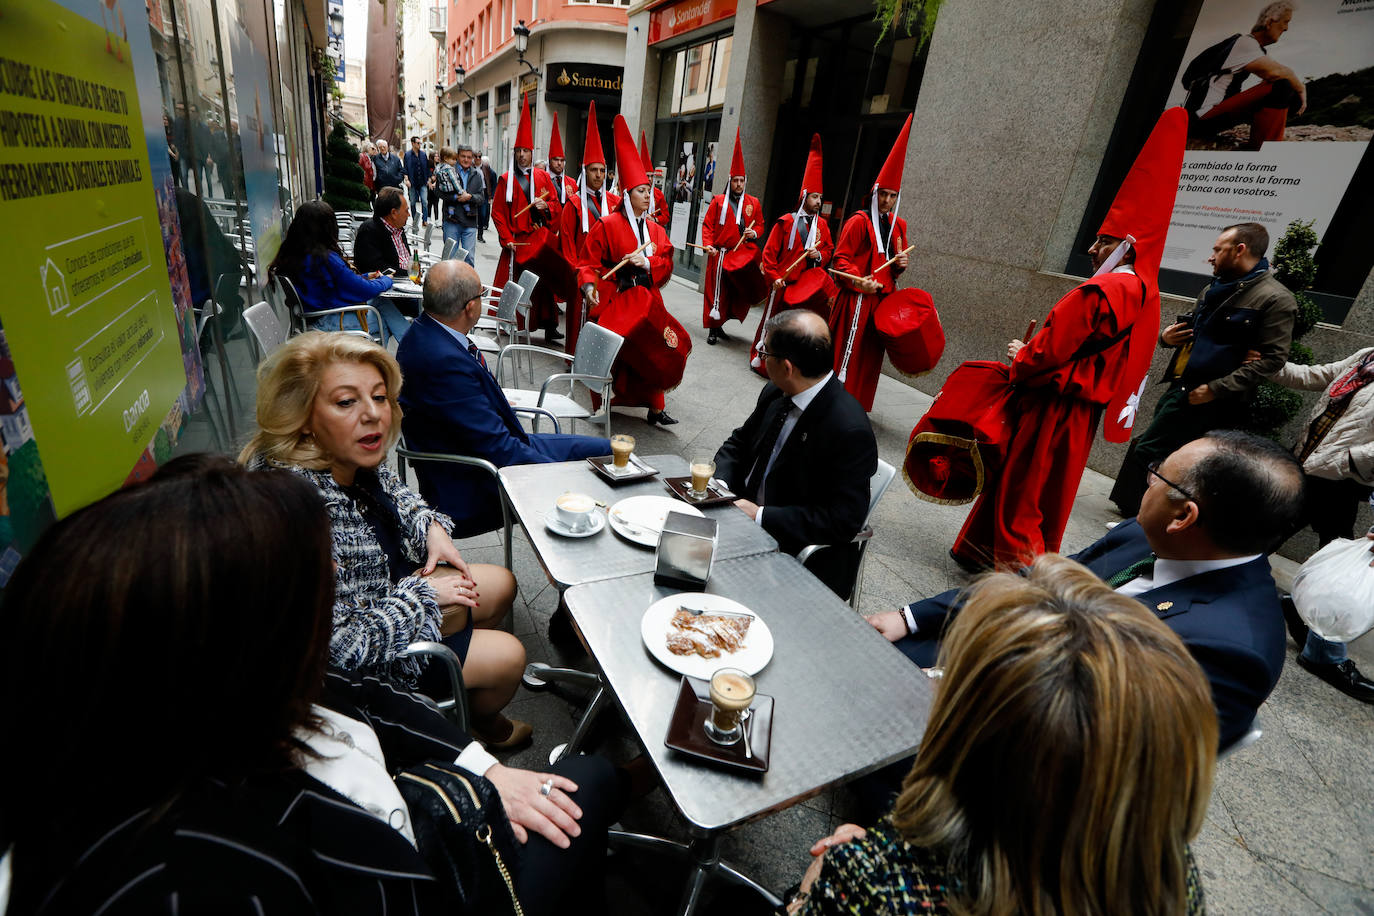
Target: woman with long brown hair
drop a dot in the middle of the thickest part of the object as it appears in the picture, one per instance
(1067, 763)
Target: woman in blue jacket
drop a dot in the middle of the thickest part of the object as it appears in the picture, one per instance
(311, 259)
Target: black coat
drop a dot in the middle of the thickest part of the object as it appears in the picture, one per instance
(373, 248)
(818, 487)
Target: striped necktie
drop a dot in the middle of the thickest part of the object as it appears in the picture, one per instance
(477, 354)
(1134, 571)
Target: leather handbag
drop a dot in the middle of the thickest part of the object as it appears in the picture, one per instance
(463, 834)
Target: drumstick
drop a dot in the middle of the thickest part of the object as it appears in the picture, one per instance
(840, 273)
(625, 260)
(893, 259)
(741, 236)
(695, 245)
(794, 264)
(542, 195)
(1030, 329)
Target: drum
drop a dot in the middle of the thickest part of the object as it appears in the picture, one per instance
(656, 345)
(742, 277)
(539, 253)
(957, 446)
(813, 290)
(910, 326)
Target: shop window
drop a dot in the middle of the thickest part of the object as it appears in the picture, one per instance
(694, 78)
(720, 71)
(670, 83)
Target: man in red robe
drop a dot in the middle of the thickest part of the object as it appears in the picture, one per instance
(733, 222)
(586, 208)
(521, 210)
(628, 302)
(563, 186)
(797, 243)
(872, 252)
(659, 211)
(1091, 354)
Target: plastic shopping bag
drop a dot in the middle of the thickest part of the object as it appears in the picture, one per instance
(1334, 590)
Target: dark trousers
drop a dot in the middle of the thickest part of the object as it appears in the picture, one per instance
(572, 881)
(1331, 506)
(1175, 423)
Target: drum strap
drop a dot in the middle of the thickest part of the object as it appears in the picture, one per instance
(849, 338)
(756, 362)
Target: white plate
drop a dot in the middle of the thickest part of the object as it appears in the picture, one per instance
(751, 658)
(556, 525)
(640, 518)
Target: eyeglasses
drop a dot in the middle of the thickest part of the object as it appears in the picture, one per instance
(763, 351)
(1153, 468)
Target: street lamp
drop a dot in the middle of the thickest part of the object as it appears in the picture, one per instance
(459, 77)
(522, 41)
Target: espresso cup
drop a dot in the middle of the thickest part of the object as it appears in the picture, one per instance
(575, 510)
(732, 692)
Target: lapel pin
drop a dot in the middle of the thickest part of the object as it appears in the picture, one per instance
(1164, 605)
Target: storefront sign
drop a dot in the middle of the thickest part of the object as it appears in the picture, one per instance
(685, 16)
(1246, 160)
(573, 82)
(529, 85)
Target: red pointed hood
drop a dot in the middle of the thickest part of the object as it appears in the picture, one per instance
(591, 149)
(737, 160)
(891, 175)
(555, 141)
(645, 159)
(629, 171)
(524, 135)
(811, 178)
(1142, 210)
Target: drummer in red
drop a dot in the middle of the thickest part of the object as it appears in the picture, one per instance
(872, 251)
(729, 216)
(564, 187)
(1091, 354)
(799, 244)
(586, 207)
(523, 214)
(659, 212)
(625, 259)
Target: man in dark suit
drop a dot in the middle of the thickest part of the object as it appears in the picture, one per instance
(801, 462)
(1195, 555)
(391, 172)
(379, 244)
(453, 405)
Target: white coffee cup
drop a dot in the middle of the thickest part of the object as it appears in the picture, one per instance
(575, 510)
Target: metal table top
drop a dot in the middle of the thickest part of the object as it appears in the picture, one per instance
(846, 700)
(533, 488)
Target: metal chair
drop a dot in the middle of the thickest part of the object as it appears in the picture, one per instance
(597, 349)
(877, 486)
(456, 707)
(1250, 737)
(449, 245)
(293, 301)
(503, 322)
(265, 328)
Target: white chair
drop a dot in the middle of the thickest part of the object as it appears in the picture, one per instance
(877, 486)
(597, 349)
(503, 322)
(293, 302)
(456, 706)
(449, 245)
(266, 330)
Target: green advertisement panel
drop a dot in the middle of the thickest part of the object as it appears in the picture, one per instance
(88, 309)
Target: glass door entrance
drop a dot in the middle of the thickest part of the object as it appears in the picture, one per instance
(687, 148)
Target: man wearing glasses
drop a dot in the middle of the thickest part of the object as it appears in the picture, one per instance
(1195, 555)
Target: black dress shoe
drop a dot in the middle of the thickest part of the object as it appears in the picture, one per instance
(1296, 628)
(720, 333)
(713, 336)
(552, 334)
(660, 417)
(972, 567)
(1344, 676)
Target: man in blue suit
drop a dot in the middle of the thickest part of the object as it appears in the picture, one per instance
(1195, 555)
(452, 404)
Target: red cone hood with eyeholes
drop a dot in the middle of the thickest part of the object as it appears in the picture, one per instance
(1142, 209)
(629, 171)
(591, 149)
(555, 141)
(891, 175)
(811, 178)
(524, 135)
(645, 159)
(737, 160)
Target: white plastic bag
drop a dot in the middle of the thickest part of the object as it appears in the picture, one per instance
(1334, 590)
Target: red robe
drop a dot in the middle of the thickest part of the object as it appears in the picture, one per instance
(858, 345)
(570, 239)
(659, 211)
(534, 240)
(725, 237)
(557, 206)
(656, 346)
(777, 257)
(1022, 513)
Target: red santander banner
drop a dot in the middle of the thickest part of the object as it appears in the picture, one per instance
(686, 15)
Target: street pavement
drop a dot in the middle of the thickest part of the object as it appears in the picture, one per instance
(1291, 824)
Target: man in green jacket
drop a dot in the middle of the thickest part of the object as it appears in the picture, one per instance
(1244, 308)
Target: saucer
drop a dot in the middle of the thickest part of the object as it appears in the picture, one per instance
(554, 524)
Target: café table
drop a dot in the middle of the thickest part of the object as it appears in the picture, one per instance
(533, 489)
(845, 701)
(406, 295)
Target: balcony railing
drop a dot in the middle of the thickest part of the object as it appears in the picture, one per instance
(438, 22)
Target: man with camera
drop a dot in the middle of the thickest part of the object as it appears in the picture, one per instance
(1209, 378)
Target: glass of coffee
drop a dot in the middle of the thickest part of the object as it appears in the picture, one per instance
(575, 510)
(732, 692)
(703, 466)
(621, 448)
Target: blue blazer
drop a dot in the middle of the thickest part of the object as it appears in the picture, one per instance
(452, 404)
(1229, 619)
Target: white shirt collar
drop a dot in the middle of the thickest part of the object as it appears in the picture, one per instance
(457, 334)
(1167, 572)
(803, 400)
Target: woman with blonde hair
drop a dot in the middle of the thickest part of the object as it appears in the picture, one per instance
(327, 410)
(1066, 764)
